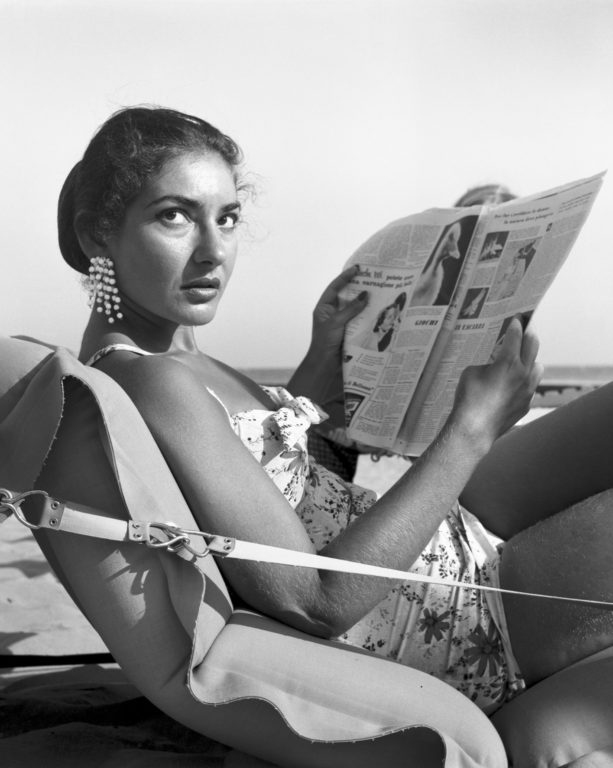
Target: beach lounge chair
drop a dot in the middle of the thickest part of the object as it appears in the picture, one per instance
(231, 674)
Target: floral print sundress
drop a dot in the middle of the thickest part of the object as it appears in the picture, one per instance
(458, 635)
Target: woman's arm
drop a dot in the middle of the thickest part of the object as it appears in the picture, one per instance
(230, 494)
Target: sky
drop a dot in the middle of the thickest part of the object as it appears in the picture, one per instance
(351, 113)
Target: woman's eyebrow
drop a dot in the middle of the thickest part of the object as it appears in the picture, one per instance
(188, 202)
(231, 206)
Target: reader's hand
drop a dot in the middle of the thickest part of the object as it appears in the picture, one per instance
(331, 314)
(320, 375)
(491, 398)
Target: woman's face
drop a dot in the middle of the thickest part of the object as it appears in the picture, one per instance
(175, 250)
(450, 248)
(388, 320)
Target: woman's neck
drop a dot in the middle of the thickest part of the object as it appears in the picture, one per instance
(99, 333)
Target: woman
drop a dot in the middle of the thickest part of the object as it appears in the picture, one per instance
(151, 215)
(385, 325)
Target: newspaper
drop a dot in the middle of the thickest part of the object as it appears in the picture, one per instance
(443, 286)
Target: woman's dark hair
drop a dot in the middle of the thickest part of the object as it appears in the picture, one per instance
(128, 148)
(400, 301)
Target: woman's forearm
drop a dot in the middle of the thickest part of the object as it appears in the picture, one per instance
(318, 377)
(397, 528)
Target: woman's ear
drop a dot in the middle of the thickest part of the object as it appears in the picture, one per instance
(89, 245)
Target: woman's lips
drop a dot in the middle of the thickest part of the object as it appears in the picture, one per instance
(201, 290)
(200, 293)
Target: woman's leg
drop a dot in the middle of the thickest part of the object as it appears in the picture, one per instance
(568, 554)
(545, 466)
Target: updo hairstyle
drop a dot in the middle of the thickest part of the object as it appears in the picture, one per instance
(132, 145)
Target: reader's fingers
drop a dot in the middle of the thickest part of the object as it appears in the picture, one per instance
(353, 308)
(340, 281)
(529, 348)
(510, 346)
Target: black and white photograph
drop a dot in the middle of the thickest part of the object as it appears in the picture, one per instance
(229, 537)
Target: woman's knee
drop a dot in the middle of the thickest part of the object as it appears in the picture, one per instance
(567, 555)
(546, 466)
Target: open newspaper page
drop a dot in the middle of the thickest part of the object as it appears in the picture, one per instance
(411, 269)
(521, 246)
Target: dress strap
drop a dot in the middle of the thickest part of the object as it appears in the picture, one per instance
(220, 401)
(115, 348)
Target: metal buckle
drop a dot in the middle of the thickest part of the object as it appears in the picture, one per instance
(13, 505)
(220, 546)
(178, 539)
(6, 498)
(175, 537)
(6, 507)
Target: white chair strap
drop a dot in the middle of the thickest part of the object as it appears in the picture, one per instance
(49, 513)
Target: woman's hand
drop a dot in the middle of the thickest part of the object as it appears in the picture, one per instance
(331, 314)
(491, 398)
(320, 376)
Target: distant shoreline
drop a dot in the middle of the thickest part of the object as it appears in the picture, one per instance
(555, 375)
(560, 383)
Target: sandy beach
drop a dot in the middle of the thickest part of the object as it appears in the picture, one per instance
(36, 615)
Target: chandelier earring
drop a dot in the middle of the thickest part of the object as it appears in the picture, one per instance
(102, 289)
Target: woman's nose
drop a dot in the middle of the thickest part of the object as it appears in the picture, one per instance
(210, 247)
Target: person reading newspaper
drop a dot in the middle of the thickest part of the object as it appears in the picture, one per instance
(151, 217)
(331, 445)
(466, 273)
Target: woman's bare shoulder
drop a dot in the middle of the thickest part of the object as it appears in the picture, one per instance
(161, 385)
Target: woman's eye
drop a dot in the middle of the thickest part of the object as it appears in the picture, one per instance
(173, 216)
(229, 221)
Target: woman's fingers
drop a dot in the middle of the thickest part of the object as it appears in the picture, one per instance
(354, 307)
(510, 347)
(340, 281)
(529, 348)
(332, 312)
(520, 344)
